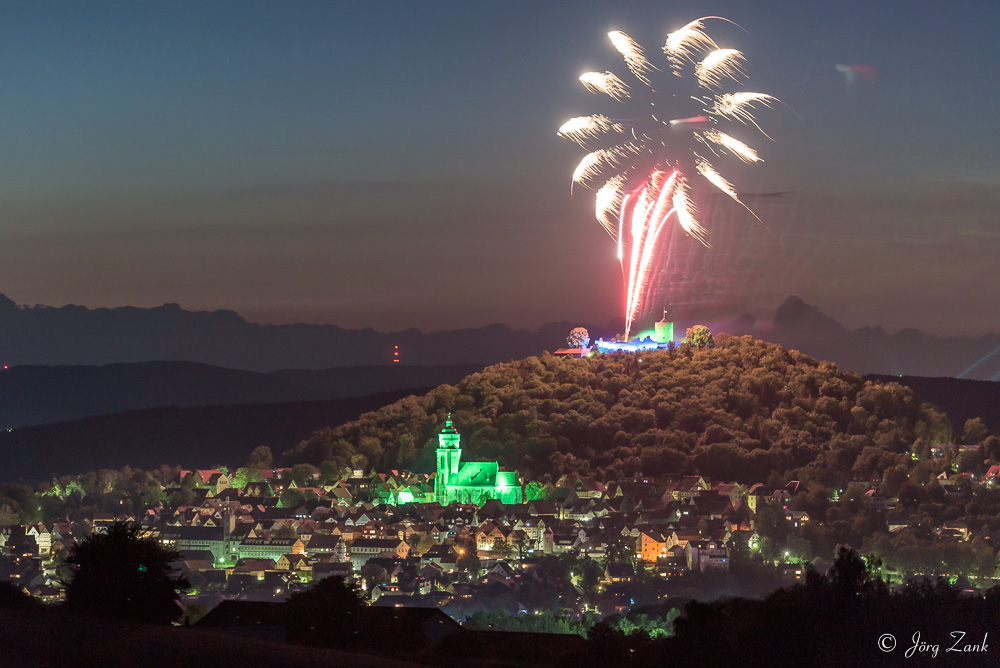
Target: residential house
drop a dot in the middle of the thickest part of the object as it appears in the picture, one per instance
(705, 555)
(363, 549)
(269, 548)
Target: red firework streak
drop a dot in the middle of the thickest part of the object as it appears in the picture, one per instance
(646, 213)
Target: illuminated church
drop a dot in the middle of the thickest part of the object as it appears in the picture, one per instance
(470, 482)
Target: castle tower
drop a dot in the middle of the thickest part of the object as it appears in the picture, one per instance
(449, 453)
(663, 331)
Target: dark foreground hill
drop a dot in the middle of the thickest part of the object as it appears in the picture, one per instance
(200, 437)
(47, 639)
(739, 411)
(32, 395)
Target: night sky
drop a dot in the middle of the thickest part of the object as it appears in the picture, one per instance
(396, 164)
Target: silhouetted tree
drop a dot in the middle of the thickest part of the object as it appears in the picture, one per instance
(991, 447)
(13, 598)
(853, 576)
(125, 576)
(325, 614)
(260, 458)
(520, 542)
(468, 558)
(291, 498)
(285, 532)
(374, 575)
(303, 474)
(620, 549)
(975, 431)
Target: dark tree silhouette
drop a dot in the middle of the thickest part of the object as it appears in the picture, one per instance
(122, 575)
(260, 458)
(373, 576)
(620, 549)
(975, 431)
(13, 598)
(468, 557)
(853, 576)
(328, 613)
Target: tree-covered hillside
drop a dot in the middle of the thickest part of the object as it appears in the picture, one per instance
(739, 410)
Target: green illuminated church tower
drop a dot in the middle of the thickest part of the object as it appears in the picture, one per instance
(449, 453)
(471, 482)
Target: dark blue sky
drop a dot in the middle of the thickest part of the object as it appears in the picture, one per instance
(395, 164)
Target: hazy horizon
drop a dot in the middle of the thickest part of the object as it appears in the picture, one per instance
(393, 165)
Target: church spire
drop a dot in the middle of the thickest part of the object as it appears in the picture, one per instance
(449, 428)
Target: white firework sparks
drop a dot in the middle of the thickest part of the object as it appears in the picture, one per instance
(583, 128)
(648, 181)
(739, 107)
(705, 168)
(607, 83)
(684, 209)
(738, 148)
(608, 201)
(683, 44)
(719, 65)
(635, 57)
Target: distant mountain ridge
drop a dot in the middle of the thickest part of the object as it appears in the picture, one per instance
(33, 395)
(75, 335)
(72, 335)
(872, 350)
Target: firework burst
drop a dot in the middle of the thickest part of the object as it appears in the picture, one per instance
(644, 164)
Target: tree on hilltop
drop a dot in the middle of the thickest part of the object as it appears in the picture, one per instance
(700, 336)
(578, 337)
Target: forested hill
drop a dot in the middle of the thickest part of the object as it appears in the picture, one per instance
(961, 398)
(737, 411)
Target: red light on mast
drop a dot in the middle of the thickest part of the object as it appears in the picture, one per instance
(395, 355)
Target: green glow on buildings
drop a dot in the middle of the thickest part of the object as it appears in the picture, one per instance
(662, 332)
(645, 334)
(470, 482)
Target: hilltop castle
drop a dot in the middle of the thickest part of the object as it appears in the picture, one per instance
(470, 482)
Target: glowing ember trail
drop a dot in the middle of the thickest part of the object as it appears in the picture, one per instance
(661, 147)
(648, 214)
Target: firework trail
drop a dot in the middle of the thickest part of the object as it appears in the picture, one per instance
(649, 160)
